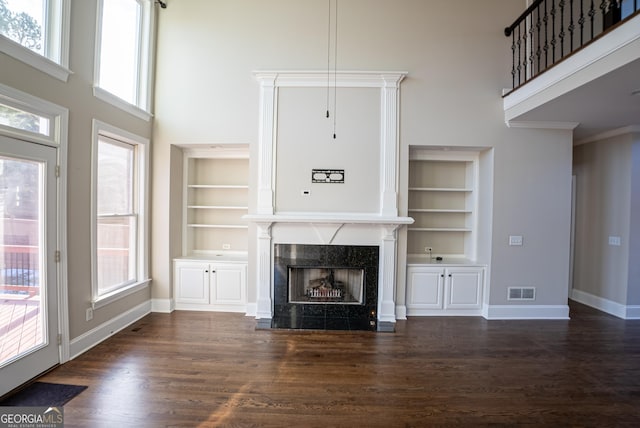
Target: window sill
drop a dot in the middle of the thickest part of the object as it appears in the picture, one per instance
(37, 61)
(119, 294)
(115, 101)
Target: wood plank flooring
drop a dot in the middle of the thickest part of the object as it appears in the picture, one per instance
(198, 369)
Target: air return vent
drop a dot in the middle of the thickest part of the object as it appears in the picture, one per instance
(522, 293)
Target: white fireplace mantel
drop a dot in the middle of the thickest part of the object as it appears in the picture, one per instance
(329, 218)
(377, 228)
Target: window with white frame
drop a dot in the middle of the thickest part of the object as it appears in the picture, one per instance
(124, 52)
(119, 208)
(40, 27)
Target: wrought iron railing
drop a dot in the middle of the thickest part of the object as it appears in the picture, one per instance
(551, 30)
(19, 270)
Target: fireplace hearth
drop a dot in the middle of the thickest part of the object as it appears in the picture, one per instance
(325, 287)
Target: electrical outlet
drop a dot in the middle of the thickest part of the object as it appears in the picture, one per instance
(515, 240)
(428, 249)
(89, 314)
(226, 246)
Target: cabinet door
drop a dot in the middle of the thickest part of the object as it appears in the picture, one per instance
(228, 284)
(424, 289)
(464, 288)
(192, 282)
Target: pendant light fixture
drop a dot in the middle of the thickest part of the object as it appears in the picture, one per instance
(332, 12)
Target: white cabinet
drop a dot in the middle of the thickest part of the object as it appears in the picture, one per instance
(191, 283)
(214, 286)
(444, 290)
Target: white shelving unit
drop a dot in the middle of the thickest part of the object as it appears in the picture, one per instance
(216, 197)
(442, 200)
(212, 273)
(443, 189)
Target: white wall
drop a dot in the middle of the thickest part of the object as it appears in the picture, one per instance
(458, 62)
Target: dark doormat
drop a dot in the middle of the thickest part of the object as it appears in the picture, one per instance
(43, 394)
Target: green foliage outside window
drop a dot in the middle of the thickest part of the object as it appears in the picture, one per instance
(20, 27)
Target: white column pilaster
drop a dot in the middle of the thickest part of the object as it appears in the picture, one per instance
(266, 141)
(387, 276)
(263, 286)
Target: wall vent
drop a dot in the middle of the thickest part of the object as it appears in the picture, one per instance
(522, 293)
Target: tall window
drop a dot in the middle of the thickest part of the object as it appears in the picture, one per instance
(41, 26)
(120, 206)
(124, 50)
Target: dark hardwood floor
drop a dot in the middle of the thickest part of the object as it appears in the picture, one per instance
(198, 369)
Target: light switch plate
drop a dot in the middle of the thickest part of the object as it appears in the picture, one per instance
(615, 241)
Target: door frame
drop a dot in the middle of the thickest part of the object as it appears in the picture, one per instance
(57, 137)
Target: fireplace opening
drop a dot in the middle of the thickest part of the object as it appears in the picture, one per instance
(326, 285)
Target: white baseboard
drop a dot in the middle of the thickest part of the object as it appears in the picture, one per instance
(252, 309)
(526, 312)
(210, 308)
(88, 340)
(616, 309)
(165, 306)
(401, 312)
(633, 312)
(422, 312)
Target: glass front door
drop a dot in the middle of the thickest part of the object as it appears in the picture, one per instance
(28, 283)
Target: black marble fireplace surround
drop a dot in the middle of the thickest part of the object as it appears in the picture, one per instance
(329, 316)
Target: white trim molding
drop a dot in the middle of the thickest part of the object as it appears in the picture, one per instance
(165, 306)
(633, 129)
(568, 126)
(91, 338)
(626, 312)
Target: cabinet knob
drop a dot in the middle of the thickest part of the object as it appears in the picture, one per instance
(213, 271)
(206, 271)
(450, 275)
(442, 275)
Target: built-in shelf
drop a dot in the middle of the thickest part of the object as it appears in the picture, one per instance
(442, 201)
(216, 197)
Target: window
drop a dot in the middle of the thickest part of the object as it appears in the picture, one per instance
(119, 201)
(33, 30)
(123, 53)
(29, 118)
(13, 117)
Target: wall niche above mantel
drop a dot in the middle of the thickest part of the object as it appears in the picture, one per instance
(363, 116)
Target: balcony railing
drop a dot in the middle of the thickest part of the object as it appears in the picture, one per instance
(551, 30)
